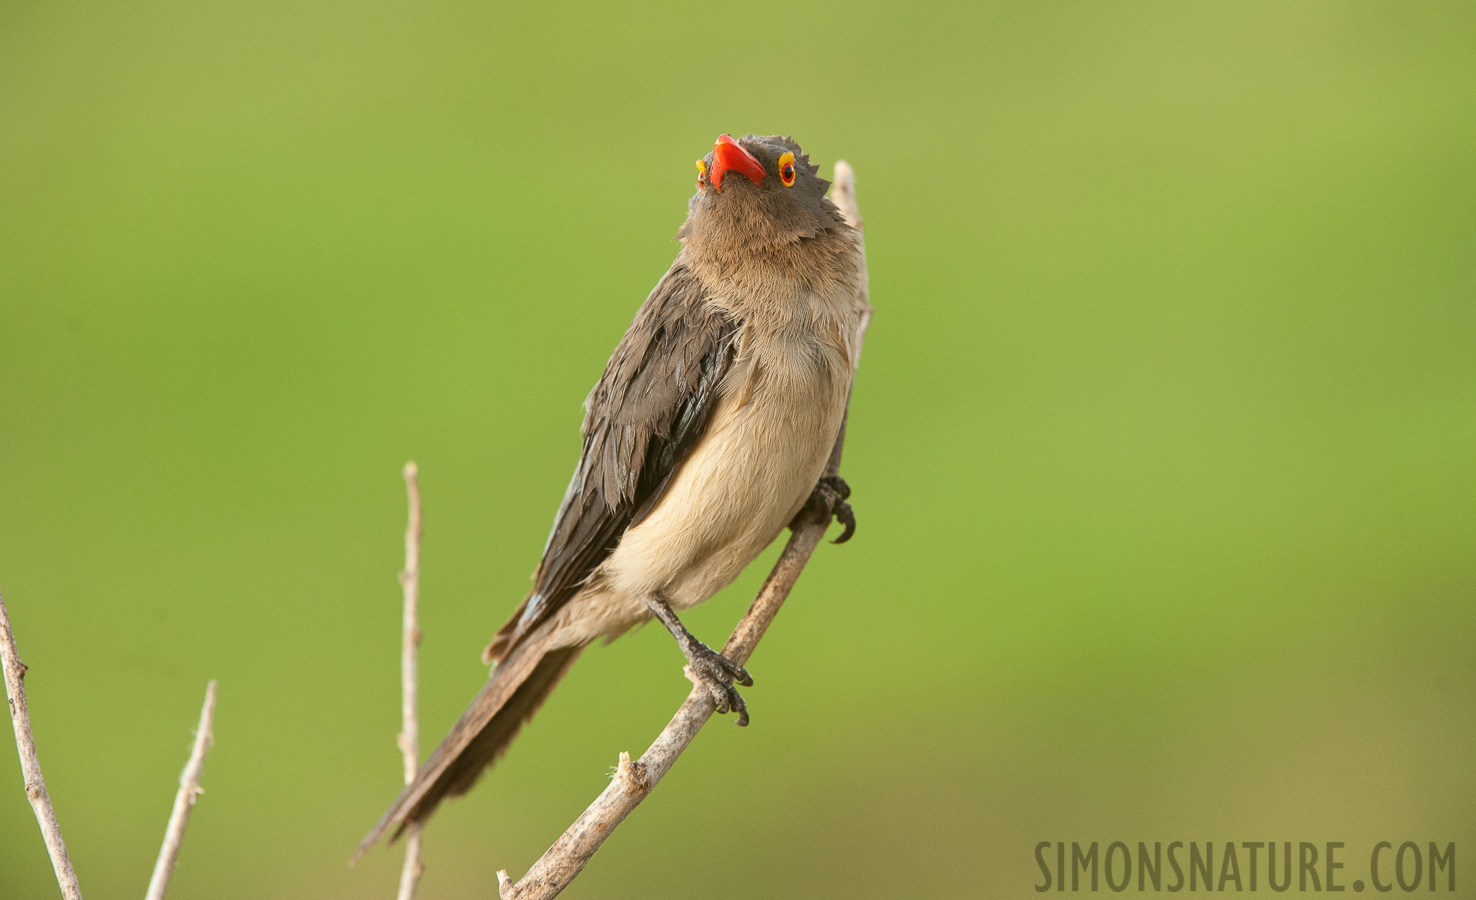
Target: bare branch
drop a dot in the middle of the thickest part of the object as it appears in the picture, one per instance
(843, 194)
(184, 801)
(409, 738)
(25, 744)
(634, 780)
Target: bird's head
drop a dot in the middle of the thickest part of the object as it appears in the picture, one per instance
(757, 194)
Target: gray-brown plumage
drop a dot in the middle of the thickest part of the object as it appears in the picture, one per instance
(704, 437)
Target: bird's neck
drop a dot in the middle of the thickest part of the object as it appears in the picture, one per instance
(783, 286)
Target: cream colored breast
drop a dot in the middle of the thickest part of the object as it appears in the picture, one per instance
(764, 449)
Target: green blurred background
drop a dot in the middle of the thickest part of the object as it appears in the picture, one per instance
(1163, 448)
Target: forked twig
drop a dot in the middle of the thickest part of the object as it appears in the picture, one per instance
(409, 737)
(25, 743)
(634, 779)
(184, 801)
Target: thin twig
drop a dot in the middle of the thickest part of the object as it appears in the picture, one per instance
(25, 743)
(634, 780)
(409, 738)
(184, 801)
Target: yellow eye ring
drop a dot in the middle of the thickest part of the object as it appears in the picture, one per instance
(701, 175)
(786, 169)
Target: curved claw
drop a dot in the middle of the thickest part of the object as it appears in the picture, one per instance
(717, 673)
(847, 517)
(835, 492)
(826, 501)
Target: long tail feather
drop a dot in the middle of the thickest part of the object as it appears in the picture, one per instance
(518, 686)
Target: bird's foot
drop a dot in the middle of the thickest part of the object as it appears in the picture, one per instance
(829, 499)
(706, 667)
(713, 671)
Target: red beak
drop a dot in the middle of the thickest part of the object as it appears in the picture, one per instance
(729, 154)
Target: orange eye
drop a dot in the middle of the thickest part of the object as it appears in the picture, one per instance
(786, 169)
(701, 175)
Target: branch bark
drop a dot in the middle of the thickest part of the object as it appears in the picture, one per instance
(25, 743)
(409, 737)
(184, 801)
(635, 779)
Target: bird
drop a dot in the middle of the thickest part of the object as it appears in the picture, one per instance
(708, 432)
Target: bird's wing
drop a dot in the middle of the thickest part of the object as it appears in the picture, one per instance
(642, 419)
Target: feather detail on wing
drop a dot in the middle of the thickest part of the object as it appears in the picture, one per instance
(642, 419)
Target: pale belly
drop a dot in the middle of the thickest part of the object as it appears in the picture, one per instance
(765, 448)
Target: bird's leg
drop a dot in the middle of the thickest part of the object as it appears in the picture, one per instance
(705, 666)
(829, 499)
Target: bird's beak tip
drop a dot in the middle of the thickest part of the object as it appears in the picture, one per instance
(729, 154)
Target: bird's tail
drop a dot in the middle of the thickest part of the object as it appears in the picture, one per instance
(517, 687)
